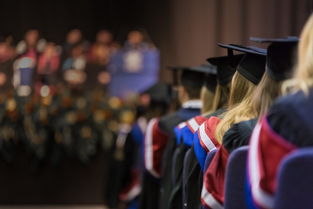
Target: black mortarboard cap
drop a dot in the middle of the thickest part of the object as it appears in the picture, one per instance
(159, 92)
(210, 71)
(252, 65)
(226, 67)
(280, 56)
(205, 68)
(188, 76)
(175, 72)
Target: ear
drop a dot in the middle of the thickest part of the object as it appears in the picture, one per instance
(182, 94)
(181, 90)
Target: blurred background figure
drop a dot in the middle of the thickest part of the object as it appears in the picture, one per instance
(104, 39)
(135, 67)
(73, 67)
(31, 45)
(24, 67)
(97, 76)
(73, 37)
(126, 173)
(7, 54)
(47, 70)
(99, 57)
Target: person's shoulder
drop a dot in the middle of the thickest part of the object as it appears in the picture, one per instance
(291, 117)
(294, 99)
(168, 122)
(238, 135)
(248, 124)
(217, 113)
(285, 108)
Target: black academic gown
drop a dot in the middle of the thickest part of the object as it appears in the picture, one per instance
(150, 191)
(168, 124)
(291, 117)
(192, 176)
(121, 164)
(175, 199)
(238, 135)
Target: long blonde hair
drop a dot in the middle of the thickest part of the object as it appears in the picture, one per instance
(221, 96)
(256, 103)
(238, 89)
(240, 105)
(265, 93)
(303, 76)
(207, 98)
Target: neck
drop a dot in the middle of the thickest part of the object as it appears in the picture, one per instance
(192, 103)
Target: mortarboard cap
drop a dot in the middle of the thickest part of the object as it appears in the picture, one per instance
(280, 56)
(252, 65)
(159, 92)
(226, 67)
(275, 40)
(210, 71)
(205, 68)
(188, 76)
(175, 73)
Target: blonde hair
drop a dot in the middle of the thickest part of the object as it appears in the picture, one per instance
(207, 97)
(265, 93)
(240, 105)
(303, 76)
(220, 96)
(257, 101)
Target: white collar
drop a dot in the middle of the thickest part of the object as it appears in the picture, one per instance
(195, 104)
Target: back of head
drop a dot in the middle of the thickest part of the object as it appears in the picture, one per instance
(280, 59)
(192, 82)
(249, 73)
(279, 62)
(303, 78)
(207, 98)
(226, 68)
(238, 89)
(265, 93)
(240, 105)
(155, 100)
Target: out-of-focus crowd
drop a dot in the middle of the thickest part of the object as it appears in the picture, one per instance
(65, 101)
(34, 64)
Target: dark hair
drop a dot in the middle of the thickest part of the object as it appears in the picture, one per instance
(192, 82)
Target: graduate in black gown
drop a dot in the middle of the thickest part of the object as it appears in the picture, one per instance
(160, 139)
(286, 127)
(280, 54)
(189, 95)
(126, 176)
(248, 75)
(192, 174)
(207, 93)
(154, 103)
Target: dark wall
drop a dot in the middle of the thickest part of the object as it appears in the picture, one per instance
(186, 31)
(196, 26)
(55, 17)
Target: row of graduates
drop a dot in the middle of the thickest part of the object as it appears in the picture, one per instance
(35, 62)
(242, 102)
